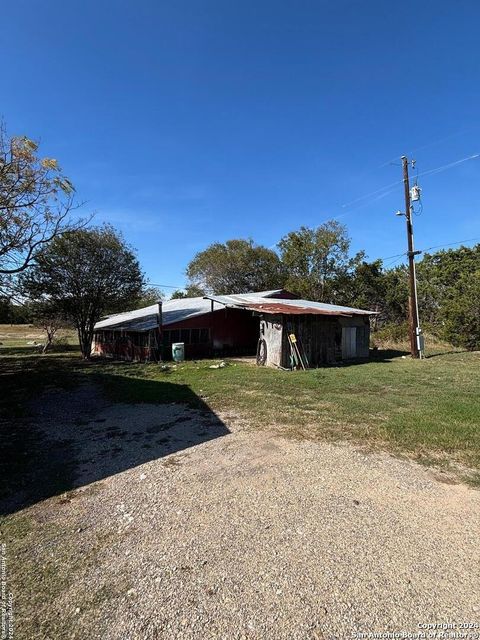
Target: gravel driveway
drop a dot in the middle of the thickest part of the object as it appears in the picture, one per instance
(223, 532)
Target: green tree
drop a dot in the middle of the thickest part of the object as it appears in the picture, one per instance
(237, 266)
(395, 288)
(317, 262)
(448, 294)
(149, 296)
(12, 311)
(191, 291)
(368, 286)
(36, 200)
(366, 289)
(461, 314)
(85, 274)
(5, 310)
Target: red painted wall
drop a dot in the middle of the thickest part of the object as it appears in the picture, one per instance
(121, 351)
(232, 332)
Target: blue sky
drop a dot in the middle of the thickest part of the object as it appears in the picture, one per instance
(188, 122)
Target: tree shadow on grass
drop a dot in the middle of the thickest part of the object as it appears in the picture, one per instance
(75, 437)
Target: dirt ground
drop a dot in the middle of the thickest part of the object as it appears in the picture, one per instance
(170, 522)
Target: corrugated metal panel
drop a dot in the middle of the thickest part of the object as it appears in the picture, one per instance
(292, 309)
(146, 318)
(258, 303)
(178, 310)
(174, 311)
(138, 320)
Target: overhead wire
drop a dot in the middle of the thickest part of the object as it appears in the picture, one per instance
(381, 193)
(393, 185)
(390, 264)
(397, 255)
(429, 144)
(438, 246)
(166, 286)
(449, 165)
(372, 193)
(450, 244)
(393, 260)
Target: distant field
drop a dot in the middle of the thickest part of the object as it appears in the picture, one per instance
(19, 332)
(20, 335)
(428, 410)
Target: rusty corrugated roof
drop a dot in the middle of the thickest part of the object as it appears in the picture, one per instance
(287, 306)
(174, 311)
(290, 309)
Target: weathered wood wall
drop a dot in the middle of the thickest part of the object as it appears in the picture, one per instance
(362, 324)
(320, 337)
(271, 330)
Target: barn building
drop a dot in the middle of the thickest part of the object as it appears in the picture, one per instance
(244, 324)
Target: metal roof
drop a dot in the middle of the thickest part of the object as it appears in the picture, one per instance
(276, 305)
(172, 311)
(147, 318)
(180, 309)
(138, 320)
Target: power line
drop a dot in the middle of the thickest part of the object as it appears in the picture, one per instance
(393, 185)
(384, 191)
(397, 255)
(366, 204)
(372, 193)
(437, 246)
(166, 286)
(450, 244)
(439, 140)
(449, 165)
(394, 261)
(427, 145)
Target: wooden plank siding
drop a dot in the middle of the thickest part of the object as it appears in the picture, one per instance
(320, 337)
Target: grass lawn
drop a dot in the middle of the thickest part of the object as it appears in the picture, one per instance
(428, 409)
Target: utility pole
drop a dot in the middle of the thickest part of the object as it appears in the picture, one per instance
(414, 327)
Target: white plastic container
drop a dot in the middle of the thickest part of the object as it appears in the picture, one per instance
(178, 351)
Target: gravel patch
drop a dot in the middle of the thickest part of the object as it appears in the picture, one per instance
(221, 532)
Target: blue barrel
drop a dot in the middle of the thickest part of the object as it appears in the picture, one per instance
(178, 351)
